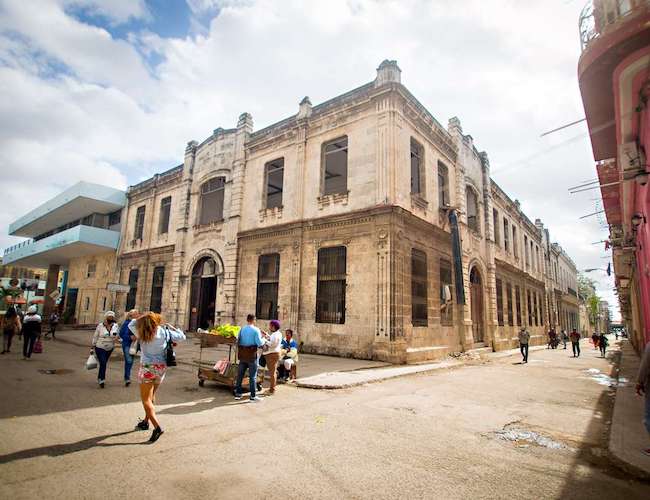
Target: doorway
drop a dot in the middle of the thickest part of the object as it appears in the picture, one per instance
(203, 294)
(476, 297)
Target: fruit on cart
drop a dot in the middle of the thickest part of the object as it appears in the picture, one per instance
(227, 330)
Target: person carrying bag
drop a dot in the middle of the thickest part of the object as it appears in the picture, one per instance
(248, 342)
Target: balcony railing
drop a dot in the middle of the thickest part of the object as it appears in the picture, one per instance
(15, 247)
(597, 15)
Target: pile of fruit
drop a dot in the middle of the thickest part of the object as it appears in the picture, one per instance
(226, 330)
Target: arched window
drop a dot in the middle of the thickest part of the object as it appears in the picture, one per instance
(211, 201)
(472, 209)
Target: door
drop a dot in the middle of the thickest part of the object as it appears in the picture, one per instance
(203, 294)
(476, 297)
(70, 306)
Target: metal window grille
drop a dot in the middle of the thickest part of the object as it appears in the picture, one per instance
(139, 223)
(331, 282)
(518, 304)
(133, 283)
(419, 306)
(157, 289)
(268, 275)
(499, 302)
(511, 318)
(165, 212)
(417, 160)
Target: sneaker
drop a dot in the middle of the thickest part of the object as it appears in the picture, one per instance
(127, 383)
(157, 432)
(142, 425)
(101, 384)
(646, 452)
(256, 399)
(237, 397)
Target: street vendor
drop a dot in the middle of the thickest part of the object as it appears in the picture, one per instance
(288, 355)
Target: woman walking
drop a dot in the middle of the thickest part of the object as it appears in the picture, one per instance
(153, 340)
(31, 331)
(127, 340)
(103, 344)
(272, 347)
(10, 326)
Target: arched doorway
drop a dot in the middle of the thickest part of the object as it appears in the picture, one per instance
(203, 294)
(476, 297)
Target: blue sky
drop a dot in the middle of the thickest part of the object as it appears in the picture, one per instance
(112, 91)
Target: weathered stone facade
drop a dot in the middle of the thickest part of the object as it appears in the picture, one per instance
(362, 265)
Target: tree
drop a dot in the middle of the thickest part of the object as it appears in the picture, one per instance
(587, 292)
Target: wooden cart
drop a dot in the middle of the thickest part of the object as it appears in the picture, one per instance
(213, 348)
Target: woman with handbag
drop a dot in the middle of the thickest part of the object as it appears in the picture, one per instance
(129, 345)
(157, 353)
(103, 344)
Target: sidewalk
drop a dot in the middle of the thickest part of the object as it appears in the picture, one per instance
(628, 435)
(345, 379)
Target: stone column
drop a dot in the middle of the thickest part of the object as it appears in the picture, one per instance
(50, 286)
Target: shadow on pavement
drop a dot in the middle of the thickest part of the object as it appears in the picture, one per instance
(594, 473)
(65, 449)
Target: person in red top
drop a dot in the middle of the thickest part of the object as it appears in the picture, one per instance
(575, 343)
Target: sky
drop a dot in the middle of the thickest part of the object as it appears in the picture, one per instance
(112, 91)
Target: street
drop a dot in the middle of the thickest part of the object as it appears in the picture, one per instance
(491, 429)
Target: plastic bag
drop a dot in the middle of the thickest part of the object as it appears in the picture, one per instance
(91, 362)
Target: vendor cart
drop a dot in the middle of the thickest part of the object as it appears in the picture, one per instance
(223, 350)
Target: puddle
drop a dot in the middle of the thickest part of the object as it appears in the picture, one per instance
(58, 371)
(606, 380)
(523, 436)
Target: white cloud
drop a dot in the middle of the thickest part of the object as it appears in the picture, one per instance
(107, 116)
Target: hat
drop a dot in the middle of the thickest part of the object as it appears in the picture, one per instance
(109, 314)
(32, 310)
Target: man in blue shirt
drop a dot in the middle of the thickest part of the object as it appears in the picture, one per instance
(249, 340)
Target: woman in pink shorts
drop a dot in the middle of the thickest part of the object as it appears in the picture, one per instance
(153, 363)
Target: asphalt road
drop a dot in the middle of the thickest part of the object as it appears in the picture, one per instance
(491, 430)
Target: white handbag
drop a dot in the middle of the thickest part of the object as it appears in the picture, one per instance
(91, 362)
(133, 349)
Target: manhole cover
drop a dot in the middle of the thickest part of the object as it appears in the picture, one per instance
(58, 371)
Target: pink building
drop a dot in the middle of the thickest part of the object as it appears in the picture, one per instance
(614, 76)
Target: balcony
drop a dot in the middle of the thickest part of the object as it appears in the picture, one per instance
(602, 16)
(78, 241)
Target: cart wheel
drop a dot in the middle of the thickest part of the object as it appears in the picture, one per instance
(201, 383)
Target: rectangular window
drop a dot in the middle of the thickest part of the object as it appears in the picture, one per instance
(495, 223)
(330, 290)
(157, 289)
(539, 262)
(506, 235)
(540, 300)
(530, 308)
(104, 304)
(532, 256)
(443, 185)
(335, 171)
(518, 304)
(526, 251)
(268, 277)
(499, 303)
(417, 162)
(211, 204)
(87, 306)
(165, 212)
(91, 271)
(515, 245)
(419, 309)
(535, 311)
(133, 291)
(472, 209)
(274, 174)
(139, 223)
(446, 294)
(511, 317)
(114, 218)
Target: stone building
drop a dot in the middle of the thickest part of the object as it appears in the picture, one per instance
(361, 223)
